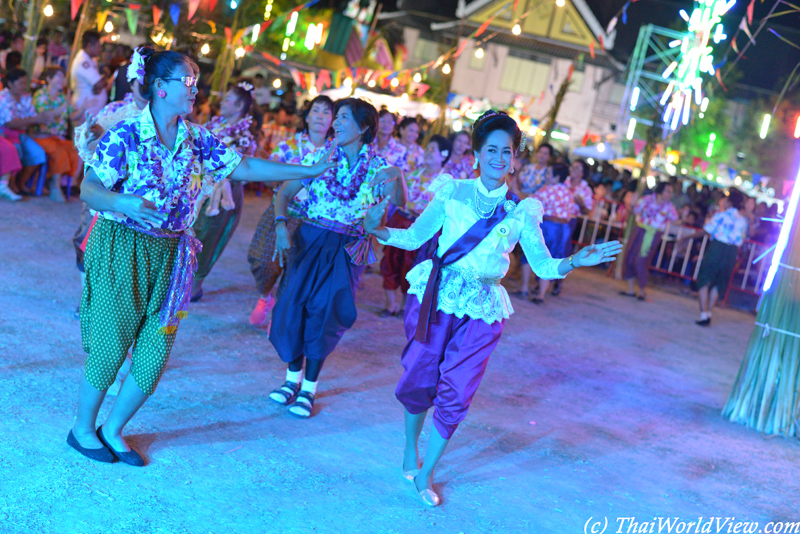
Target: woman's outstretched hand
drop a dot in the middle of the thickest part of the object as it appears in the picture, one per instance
(597, 254)
(323, 165)
(374, 216)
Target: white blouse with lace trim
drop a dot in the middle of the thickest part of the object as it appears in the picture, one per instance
(471, 286)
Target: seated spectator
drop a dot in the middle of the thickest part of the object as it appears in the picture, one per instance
(17, 114)
(62, 157)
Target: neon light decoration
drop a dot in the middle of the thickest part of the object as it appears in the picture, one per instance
(783, 237)
(685, 74)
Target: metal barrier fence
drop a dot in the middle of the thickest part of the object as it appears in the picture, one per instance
(607, 222)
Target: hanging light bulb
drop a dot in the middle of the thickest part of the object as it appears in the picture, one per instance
(277, 83)
(205, 49)
(516, 30)
(234, 4)
(446, 68)
(560, 3)
(239, 53)
(394, 83)
(371, 83)
(312, 91)
(109, 27)
(479, 53)
(48, 10)
(417, 78)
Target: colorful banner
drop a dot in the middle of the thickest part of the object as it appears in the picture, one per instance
(75, 6)
(133, 19)
(175, 13)
(156, 15)
(101, 19)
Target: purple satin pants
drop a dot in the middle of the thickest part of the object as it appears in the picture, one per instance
(445, 372)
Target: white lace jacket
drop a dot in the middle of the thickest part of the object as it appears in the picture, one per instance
(471, 286)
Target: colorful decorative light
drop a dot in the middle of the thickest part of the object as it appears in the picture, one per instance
(695, 59)
(48, 10)
(797, 128)
(783, 237)
(631, 129)
(765, 126)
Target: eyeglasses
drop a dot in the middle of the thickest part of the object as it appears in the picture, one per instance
(188, 81)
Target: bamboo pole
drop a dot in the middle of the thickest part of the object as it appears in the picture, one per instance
(33, 25)
(76, 43)
(766, 392)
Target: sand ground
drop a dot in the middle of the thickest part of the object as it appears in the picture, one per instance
(593, 406)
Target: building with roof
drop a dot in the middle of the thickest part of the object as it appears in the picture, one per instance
(554, 34)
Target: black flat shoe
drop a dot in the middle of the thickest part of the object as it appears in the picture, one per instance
(103, 454)
(704, 322)
(197, 296)
(130, 457)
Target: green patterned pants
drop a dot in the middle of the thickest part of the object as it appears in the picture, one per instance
(127, 279)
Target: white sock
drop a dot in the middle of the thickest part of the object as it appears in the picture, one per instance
(294, 376)
(308, 386)
(705, 315)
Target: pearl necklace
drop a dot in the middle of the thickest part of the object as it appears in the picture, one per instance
(492, 205)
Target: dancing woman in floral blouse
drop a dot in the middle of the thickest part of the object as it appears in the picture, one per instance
(330, 251)
(214, 227)
(145, 181)
(456, 307)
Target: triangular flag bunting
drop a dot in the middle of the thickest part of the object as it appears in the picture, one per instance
(421, 88)
(625, 12)
(101, 19)
(228, 34)
(484, 26)
(75, 7)
(156, 15)
(586, 138)
(719, 79)
(296, 76)
(734, 46)
(323, 80)
(541, 98)
(461, 47)
(337, 78)
(787, 187)
(638, 146)
(133, 19)
(732, 173)
(175, 13)
(750, 12)
(591, 49)
(746, 30)
(611, 25)
(571, 70)
(695, 162)
(212, 4)
(704, 165)
(602, 44)
(269, 57)
(193, 5)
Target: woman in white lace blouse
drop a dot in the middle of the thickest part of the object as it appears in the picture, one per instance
(456, 320)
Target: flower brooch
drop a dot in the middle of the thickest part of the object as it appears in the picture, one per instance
(509, 206)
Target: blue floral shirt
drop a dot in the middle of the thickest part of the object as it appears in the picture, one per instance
(130, 159)
(322, 204)
(729, 227)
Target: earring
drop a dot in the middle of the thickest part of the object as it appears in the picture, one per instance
(475, 165)
(162, 93)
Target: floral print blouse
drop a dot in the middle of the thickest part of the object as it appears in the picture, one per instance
(462, 170)
(130, 159)
(394, 153)
(322, 203)
(237, 135)
(42, 101)
(415, 157)
(418, 186)
(294, 150)
(729, 227)
(557, 201)
(11, 109)
(651, 213)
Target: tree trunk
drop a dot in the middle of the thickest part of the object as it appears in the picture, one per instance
(552, 114)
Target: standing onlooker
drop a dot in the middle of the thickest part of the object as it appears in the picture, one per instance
(261, 93)
(533, 175)
(653, 214)
(583, 205)
(727, 230)
(386, 145)
(89, 89)
(462, 164)
(409, 134)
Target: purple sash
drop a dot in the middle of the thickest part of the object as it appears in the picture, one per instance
(465, 244)
(361, 251)
(176, 303)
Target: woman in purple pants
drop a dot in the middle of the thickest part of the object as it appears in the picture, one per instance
(456, 319)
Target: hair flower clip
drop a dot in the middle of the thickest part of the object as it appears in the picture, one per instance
(246, 86)
(136, 67)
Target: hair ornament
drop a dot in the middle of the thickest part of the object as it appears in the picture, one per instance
(246, 86)
(136, 67)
